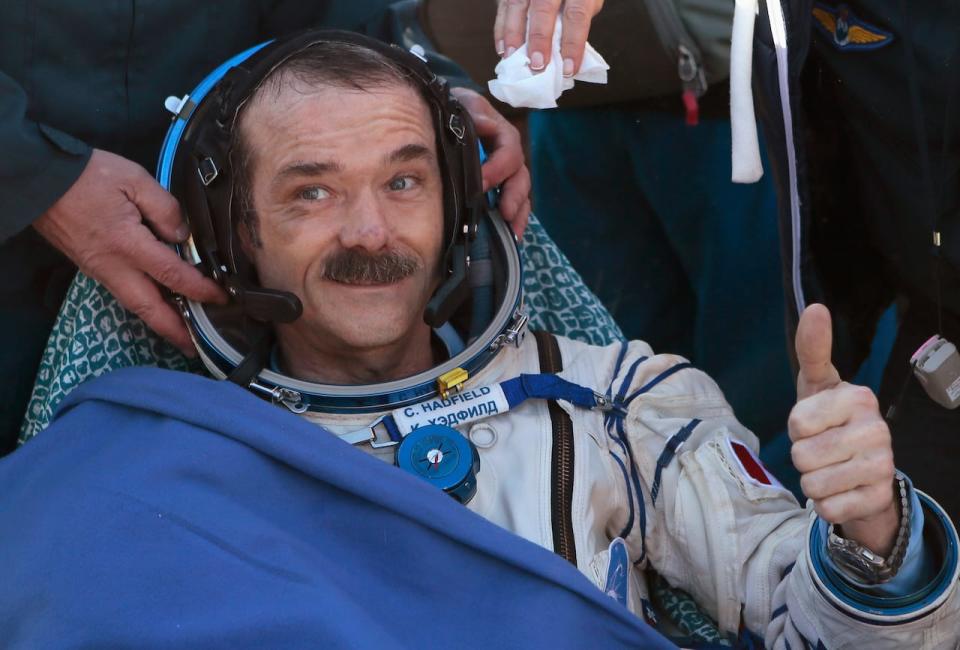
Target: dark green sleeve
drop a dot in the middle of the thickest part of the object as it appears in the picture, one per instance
(38, 163)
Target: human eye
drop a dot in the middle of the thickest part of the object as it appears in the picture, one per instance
(402, 183)
(313, 194)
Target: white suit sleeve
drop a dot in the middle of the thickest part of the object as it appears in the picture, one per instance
(717, 525)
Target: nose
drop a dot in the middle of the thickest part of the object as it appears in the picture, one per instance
(365, 224)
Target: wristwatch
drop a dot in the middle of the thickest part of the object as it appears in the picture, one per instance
(860, 563)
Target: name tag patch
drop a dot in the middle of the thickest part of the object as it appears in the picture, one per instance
(459, 408)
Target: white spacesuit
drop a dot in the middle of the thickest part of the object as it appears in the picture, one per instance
(705, 520)
(630, 446)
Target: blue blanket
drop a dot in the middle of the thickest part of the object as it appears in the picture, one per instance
(163, 509)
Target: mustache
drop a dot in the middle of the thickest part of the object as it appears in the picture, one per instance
(350, 266)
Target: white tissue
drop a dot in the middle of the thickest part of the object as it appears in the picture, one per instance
(518, 85)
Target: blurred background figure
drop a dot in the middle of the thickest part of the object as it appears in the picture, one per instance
(873, 127)
(632, 180)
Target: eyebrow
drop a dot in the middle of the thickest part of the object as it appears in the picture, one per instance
(406, 153)
(409, 152)
(298, 169)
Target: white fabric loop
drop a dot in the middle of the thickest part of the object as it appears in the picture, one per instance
(746, 164)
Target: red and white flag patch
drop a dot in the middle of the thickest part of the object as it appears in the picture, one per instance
(751, 467)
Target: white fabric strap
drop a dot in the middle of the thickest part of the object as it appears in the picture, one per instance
(746, 166)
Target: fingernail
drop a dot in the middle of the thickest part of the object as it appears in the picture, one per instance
(500, 47)
(182, 232)
(536, 61)
(568, 67)
(511, 50)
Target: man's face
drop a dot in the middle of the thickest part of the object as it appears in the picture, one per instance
(347, 188)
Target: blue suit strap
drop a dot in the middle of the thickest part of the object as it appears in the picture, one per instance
(550, 387)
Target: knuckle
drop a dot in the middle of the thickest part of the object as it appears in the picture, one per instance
(122, 241)
(168, 275)
(884, 467)
(539, 32)
(876, 434)
(796, 423)
(865, 398)
(513, 34)
(800, 458)
(509, 133)
(523, 181)
(810, 486)
(576, 13)
(829, 510)
(169, 203)
(92, 262)
(883, 495)
(144, 308)
(134, 175)
(882, 433)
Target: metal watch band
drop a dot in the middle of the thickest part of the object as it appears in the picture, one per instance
(863, 565)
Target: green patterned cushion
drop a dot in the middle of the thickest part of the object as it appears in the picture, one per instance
(682, 611)
(94, 334)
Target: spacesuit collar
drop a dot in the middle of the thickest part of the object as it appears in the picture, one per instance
(444, 340)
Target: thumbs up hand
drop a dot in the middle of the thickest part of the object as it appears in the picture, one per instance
(841, 444)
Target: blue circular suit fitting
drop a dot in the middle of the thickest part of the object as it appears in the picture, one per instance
(441, 456)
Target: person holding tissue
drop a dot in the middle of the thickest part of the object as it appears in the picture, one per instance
(510, 32)
(664, 250)
(864, 155)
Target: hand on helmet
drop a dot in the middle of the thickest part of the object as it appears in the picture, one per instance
(841, 445)
(505, 158)
(105, 223)
(510, 29)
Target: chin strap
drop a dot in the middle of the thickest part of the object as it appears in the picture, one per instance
(266, 305)
(452, 292)
(261, 338)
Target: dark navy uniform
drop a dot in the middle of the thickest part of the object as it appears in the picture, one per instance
(874, 98)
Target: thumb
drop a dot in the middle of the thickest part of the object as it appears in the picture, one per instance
(814, 348)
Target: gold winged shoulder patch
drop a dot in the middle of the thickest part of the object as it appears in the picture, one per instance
(847, 32)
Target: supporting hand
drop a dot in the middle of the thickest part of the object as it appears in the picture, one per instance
(505, 158)
(105, 224)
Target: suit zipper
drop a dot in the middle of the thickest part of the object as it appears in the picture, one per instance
(561, 501)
